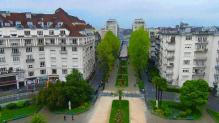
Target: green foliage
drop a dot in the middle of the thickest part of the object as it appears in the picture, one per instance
(214, 115)
(11, 106)
(138, 49)
(119, 111)
(173, 89)
(9, 114)
(107, 52)
(38, 118)
(174, 110)
(140, 84)
(120, 94)
(194, 93)
(57, 95)
(122, 76)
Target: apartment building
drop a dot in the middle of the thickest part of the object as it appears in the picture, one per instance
(39, 47)
(138, 23)
(188, 52)
(112, 25)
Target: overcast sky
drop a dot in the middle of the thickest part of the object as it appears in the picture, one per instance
(154, 12)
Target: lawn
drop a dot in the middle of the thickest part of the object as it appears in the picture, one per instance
(119, 111)
(122, 76)
(214, 115)
(83, 108)
(174, 110)
(10, 114)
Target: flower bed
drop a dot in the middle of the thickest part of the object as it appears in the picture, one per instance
(119, 111)
(122, 76)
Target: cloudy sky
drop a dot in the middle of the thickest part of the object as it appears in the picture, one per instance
(154, 12)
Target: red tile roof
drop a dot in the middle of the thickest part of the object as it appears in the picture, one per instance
(59, 16)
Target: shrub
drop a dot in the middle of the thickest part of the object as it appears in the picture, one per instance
(0, 108)
(11, 106)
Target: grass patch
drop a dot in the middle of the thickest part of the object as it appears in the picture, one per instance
(174, 110)
(122, 76)
(83, 108)
(119, 111)
(214, 115)
(11, 114)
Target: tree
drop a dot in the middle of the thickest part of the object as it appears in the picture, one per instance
(107, 52)
(75, 89)
(38, 118)
(194, 93)
(138, 50)
(160, 85)
(120, 92)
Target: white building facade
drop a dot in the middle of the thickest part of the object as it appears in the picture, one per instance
(188, 53)
(42, 47)
(112, 25)
(138, 23)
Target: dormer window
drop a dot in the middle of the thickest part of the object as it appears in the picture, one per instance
(51, 32)
(49, 24)
(39, 32)
(30, 23)
(7, 24)
(27, 33)
(62, 32)
(28, 15)
(17, 23)
(41, 24)
(59, 24)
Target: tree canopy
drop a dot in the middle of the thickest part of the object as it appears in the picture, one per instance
(107, 52)
(194, 93)
(75, 89)
(138, 49)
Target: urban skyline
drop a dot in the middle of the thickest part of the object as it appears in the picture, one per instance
(155, 15)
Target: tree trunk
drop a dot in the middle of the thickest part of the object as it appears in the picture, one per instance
(161, 97)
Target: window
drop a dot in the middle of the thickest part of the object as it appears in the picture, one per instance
(172, 39)
(74, 41)
(188, 46)
(41, 48)
(54, 71)
(186, 62)
(63, 48)
(16, 58)
(30, 66)
(17, 23)
(39, 32)
(29, 49)
(74, 48)
(1, 42)
(31, 73)
(2, 59)
(51, 32)
(29, 57)
(64, 71)
(27, 33)
(15, 50)
(42, 64)
(42, 71)
(27, 42)
(185, 70)
(188, 37)
(62, 32)
(2, 51)
(52, 41)
(40, 42)
(63, 41)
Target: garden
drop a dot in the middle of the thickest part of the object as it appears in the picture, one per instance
(122, 76)
(214, 115)
(119, 111)
(174, 110)
(17, 110)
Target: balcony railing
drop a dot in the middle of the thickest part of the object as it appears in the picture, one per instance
(63, 52)
(30, 60)
(201, 49)
(217, 67)
(15, 53)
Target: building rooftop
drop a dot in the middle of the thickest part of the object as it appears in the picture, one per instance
(60, 19)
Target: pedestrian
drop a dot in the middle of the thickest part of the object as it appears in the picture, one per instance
(64, 117)
(72, 117)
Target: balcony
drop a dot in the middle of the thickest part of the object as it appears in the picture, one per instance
(63, 52)
(170, 48)
(169, 72)
(217, 67)
(170, 56)
(200, 57)
(199, 66)
(201, 49)
(30, 60)
(15, 53)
